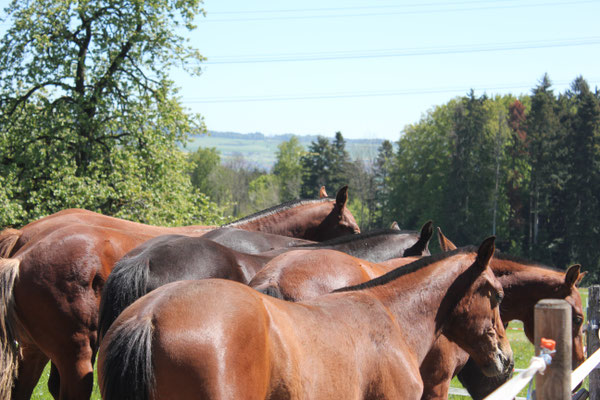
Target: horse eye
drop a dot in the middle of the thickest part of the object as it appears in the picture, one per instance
(577, 320)
(499, 297)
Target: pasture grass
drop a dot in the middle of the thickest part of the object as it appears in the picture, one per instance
(523, 350)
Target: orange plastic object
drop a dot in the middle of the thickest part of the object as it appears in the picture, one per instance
(547, 344)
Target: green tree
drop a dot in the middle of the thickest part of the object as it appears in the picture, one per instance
(362, 202)
(316, 165)
(340, 162)
(263, 192)
(288, 168)
(204, 161)
(582, 186)
(546, 157)
(420, 170)
(382, 175)
(517, 178)
(88, 115)
(470, 194)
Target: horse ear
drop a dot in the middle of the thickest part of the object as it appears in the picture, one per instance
(445, 243)
(395, 226)
(341, 198)
(427, 231)
(486, 251)
(423, 243)
(573, 276)
(322, 192)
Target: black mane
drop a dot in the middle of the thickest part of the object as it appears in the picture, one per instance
(360, 236)
(407, 269)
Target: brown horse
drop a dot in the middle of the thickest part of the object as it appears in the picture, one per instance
(303, 274)
(170, 258)
(295, 276)
(216, 339)
(50, 291)
(524, 283)
(316, 220)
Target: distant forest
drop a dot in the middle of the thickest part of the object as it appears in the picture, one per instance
(260, 150)
(525, 169)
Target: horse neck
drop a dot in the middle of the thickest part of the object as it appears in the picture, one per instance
(524, 286)
(296, 221)
(376, 248)
(431, 292)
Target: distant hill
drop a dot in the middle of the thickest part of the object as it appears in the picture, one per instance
(260, 149)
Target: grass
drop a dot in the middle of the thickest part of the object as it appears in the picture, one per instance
(523, 350)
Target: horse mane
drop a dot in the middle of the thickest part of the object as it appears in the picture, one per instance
(276, 209)
(359, 236)
(407, 269)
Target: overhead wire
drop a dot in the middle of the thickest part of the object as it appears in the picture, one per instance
(384, 53)
(339, 95)
(390, 13)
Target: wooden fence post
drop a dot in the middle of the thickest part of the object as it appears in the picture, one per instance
(552, 320)
(593, 343)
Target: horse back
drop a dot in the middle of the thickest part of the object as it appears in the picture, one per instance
(229, 341)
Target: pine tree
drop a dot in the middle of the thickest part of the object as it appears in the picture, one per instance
(382, 175)
(582, 187)
(316, 165)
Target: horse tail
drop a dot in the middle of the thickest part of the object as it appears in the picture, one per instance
(8, 239)
(127, 282)
(125, 364)
(9, 351)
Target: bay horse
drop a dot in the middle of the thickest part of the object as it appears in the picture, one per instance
(50, 290)
(217, 339)
(298, 275)
(315, 220)
(172, 258)
(524, 283)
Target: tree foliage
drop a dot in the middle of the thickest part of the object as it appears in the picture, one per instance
(288, 168)
(88, 115)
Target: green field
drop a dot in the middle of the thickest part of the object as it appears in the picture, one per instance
(522, 349)
(261, 150)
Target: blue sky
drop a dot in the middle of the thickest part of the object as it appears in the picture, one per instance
(369, 68)
(439, 50)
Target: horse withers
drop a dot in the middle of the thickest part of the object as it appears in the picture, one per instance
(218, 339)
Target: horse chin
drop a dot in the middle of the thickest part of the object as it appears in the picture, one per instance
(502, 364)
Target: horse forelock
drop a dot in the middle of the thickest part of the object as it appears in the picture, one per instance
(408, 269)
(276, 210)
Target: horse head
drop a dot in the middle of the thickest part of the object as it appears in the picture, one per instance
(476, 325)
(339, 221)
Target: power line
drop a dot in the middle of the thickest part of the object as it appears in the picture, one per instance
(390, 13)
(384, 53)
(371, 7)
(326, 96)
